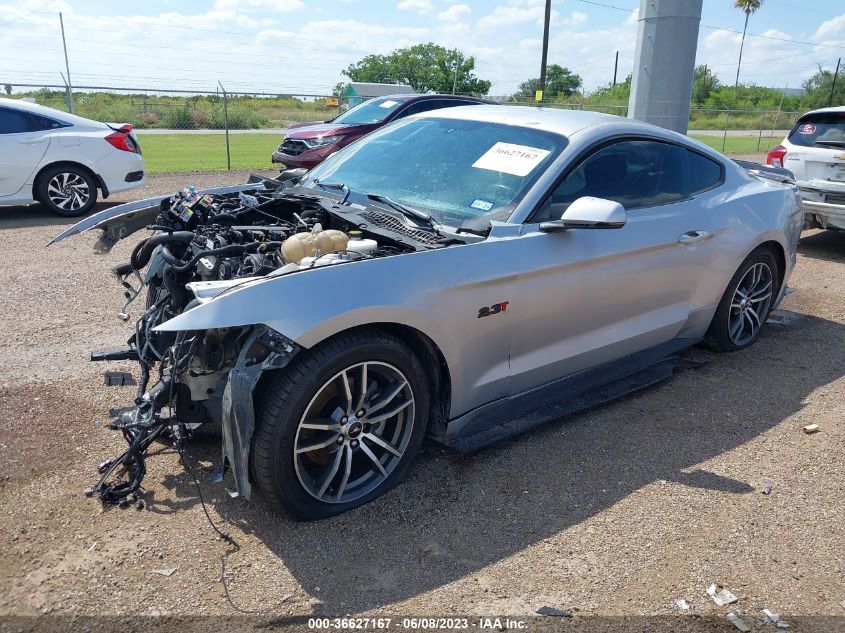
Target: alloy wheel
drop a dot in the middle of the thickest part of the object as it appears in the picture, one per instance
(750, 303)
(354, 432)
(68, 191)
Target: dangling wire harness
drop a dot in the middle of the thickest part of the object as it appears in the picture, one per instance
(140, 427)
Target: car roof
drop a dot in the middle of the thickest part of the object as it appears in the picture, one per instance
(36, 108)
(834, 109)
(424, 97)
(561, 121)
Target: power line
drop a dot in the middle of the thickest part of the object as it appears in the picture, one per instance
(804, 9)
(772, 37)
(722, 28)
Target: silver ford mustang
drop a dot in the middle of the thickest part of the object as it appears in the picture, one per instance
(464, 274)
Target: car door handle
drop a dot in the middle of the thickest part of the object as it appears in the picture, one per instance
(33, 141)
(693, 237)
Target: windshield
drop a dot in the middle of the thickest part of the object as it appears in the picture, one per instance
(371, 111)
(818, 129)
(452, 169)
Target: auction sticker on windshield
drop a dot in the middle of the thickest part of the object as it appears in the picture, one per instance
(388, 104)
(510, 158)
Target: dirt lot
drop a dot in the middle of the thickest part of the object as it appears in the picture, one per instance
(614, 512)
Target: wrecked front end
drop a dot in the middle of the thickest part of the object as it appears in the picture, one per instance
(200, 247)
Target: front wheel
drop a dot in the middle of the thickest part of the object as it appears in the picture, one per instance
(746, 304)
(341, 425)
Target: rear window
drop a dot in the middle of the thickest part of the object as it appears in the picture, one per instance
(45, 123)
(823, 129)
(704, 173)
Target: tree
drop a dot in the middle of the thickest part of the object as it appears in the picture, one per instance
(818, 89)
(748, 7)
(424, 67)
(560, 81)
(8, 89)
(620, 93)
(703, 83)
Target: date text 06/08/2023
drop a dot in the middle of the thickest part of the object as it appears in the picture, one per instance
(416, 623)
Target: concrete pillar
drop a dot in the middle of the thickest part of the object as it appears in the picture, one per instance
(664, 62)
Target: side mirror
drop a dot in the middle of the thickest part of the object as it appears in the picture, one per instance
(588, 213)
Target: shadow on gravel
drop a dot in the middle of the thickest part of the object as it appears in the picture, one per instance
(826, 245)
(456, 515)
(39, 215)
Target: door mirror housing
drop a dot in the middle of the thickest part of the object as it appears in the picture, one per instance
(588, 212)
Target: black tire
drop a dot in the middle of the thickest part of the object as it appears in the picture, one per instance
(289, 394)
(719, 337)
(80, 192)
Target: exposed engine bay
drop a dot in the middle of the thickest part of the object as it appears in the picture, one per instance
(199, 246)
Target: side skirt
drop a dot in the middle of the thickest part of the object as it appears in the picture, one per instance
(517, 414)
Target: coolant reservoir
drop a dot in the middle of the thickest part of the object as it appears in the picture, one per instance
(307, 244)
(358, 244)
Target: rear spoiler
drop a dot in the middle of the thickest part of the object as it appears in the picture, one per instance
(126, 128)
(778, 174)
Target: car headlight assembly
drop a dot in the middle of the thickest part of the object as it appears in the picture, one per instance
(321, 141)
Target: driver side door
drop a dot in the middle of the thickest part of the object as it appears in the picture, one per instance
(586, 297)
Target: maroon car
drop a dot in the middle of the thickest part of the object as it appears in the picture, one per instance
(309, 144)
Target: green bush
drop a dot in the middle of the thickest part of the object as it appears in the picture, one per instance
(178, 118)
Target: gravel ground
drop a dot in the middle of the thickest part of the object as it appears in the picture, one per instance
(614, 512)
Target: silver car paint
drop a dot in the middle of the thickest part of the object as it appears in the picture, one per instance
(576, 299)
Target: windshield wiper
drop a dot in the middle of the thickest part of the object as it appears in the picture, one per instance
(334, 185)
(404, 210)
(833, 143)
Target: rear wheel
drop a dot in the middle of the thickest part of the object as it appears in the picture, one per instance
(746, 304)
(67, 190)
(341, 425)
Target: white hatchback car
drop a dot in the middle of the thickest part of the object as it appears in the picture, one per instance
(814, 150)
(60, 160)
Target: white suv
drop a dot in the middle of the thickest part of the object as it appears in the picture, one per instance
(61, 160)
(814, 150)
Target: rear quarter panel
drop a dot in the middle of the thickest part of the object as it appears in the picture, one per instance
(746, 212)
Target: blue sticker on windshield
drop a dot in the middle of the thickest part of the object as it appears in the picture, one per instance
(484, 205)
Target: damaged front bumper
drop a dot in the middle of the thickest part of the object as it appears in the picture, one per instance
(265, 350)
(231, 402)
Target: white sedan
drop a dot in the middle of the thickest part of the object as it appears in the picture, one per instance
(60, 160)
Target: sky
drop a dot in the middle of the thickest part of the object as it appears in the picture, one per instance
(301, 46)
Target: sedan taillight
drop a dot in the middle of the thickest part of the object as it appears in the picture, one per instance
(122, 140)
(776, 156)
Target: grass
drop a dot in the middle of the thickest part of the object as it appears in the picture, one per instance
(206, 152)
(740, 144)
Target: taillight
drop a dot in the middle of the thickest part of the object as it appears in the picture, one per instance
(776, 156)
(122, 140)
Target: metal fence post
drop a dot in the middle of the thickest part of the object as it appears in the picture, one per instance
(226, 125)
(760, 136)
(725, 135)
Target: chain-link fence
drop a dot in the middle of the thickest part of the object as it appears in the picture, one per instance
(201, 131)
(192, 131)
(727, 130)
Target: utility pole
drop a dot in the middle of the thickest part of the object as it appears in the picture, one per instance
(544, 59)
(67, 66)
(664, 62)
(615, 68)
(833, 85)
(455, 80)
